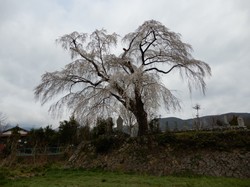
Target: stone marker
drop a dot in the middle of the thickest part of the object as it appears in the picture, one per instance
(240, 121)
(119, 123)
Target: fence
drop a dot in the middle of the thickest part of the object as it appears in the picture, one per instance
(40, 151)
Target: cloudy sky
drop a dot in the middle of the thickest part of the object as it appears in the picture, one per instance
(218, 30)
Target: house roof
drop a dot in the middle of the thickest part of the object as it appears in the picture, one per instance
(20, 130)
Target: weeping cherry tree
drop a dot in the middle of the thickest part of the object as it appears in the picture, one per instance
(98, 80)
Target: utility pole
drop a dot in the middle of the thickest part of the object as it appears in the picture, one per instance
(197, 107)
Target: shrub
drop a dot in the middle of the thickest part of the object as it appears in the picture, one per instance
(105, 143)
(166, 138)
(206, 139)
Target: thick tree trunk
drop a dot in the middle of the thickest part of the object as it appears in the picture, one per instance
(141, 117)
(142, 123)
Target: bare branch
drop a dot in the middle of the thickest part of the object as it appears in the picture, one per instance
(164, 72)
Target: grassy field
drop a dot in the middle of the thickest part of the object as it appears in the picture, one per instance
(76, 178)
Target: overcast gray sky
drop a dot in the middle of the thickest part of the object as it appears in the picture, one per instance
(218, 30)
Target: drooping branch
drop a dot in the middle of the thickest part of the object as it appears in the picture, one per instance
(100, 47)
(97, 68)
(118, 98)
(76, 79)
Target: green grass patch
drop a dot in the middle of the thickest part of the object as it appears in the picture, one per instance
(78, 177)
